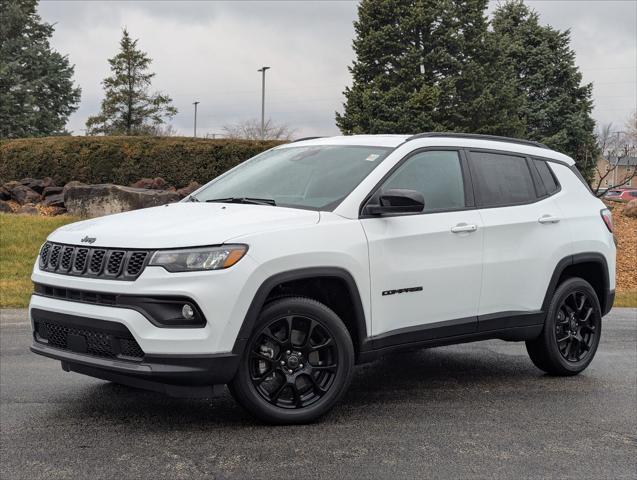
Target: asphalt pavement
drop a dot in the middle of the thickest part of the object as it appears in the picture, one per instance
(479, 410)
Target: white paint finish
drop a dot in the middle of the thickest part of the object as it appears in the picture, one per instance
(581, 214)
(224, 296)
(520, 255)
(333, 242)
(185, 224)
(422, 251)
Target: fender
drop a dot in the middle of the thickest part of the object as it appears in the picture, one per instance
(606, 302)
(299, 274)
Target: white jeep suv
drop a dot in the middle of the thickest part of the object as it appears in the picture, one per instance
(280, 275)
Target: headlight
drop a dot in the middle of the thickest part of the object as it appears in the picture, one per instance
(195, 259)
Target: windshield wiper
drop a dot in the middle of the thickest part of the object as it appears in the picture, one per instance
(249, 200)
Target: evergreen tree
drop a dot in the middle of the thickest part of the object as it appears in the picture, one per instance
(128, 108)
(428, 65)
(37, 94)
(558, 107)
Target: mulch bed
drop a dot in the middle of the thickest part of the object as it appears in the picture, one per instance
(626, 235)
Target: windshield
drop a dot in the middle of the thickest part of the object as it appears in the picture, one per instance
(314, 177)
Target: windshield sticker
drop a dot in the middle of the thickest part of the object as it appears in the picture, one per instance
(372, 157)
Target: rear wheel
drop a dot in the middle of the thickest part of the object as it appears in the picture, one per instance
(571, 332)
(297, 363)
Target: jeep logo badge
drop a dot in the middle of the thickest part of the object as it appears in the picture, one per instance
(88, 239)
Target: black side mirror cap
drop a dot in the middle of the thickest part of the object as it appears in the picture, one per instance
(397, 201)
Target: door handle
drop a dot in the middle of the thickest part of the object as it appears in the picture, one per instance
(463, 227)
(548, 219)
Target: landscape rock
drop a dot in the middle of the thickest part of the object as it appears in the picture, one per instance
(104, 199)
(53, 211)
(52, 191)
(71, 184)
(5, 207)
(56, 200)
(4, 193)
(157, 183)
(630, 210)
(11, 185)
(23, 194)
(38, 185)
(185, 191)
(28, 209)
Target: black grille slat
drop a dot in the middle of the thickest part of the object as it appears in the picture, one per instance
(44, 253)
(80, 259)
(136, 262)
(98, 343)
(97, 260)
(67, 256)
(55, 257)
(115, 260)
(113, 264)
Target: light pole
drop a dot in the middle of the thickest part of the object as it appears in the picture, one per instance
(262, 70)
(195, 104)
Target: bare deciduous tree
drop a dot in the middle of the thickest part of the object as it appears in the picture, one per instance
(163, 131)
(251, 130)
(617, 149)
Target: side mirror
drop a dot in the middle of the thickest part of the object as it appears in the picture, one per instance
(397, 201)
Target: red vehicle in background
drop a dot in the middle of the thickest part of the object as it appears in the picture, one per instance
(621, 194)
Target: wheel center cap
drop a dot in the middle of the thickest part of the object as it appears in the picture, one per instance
(293, 361)
(573, 324)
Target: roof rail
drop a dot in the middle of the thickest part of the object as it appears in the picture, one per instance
(305, 138)
(477, 136)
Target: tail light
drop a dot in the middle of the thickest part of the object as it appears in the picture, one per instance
(607, 216)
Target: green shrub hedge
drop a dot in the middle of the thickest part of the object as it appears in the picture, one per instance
(123, 160)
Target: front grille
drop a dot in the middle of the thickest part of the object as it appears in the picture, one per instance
(119, 345)
(115, 264)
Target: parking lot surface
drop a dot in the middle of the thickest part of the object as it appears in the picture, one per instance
(479, 410)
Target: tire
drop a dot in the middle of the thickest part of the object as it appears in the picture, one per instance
(571, 331)
(297, 363)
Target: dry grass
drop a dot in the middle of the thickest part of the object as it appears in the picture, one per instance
(20, 239)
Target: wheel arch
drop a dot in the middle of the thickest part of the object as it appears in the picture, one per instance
(267, 291)
(592, 267)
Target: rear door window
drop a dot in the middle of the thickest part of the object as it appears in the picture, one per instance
(501, 179)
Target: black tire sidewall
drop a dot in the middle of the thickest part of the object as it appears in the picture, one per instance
(549, 338)
(244, 390)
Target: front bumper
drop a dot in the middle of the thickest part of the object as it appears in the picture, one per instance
(92, 347)
(178, 376)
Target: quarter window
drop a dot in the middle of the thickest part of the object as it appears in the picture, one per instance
(550, 184)
(501, 179)
(435, 174)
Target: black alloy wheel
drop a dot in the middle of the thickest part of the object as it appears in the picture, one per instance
(297, 363)
(575, 327)
(293, 361)
(571, 331)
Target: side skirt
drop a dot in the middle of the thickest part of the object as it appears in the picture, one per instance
(510, 326)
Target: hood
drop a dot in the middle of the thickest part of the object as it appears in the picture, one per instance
(183, 224)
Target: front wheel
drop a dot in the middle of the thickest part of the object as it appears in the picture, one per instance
(571, 332)
(297, 363)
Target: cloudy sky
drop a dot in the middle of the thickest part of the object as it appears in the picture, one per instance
(210, 52)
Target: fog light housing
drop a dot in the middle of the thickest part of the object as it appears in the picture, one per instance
(167, 312)
(187, 312)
